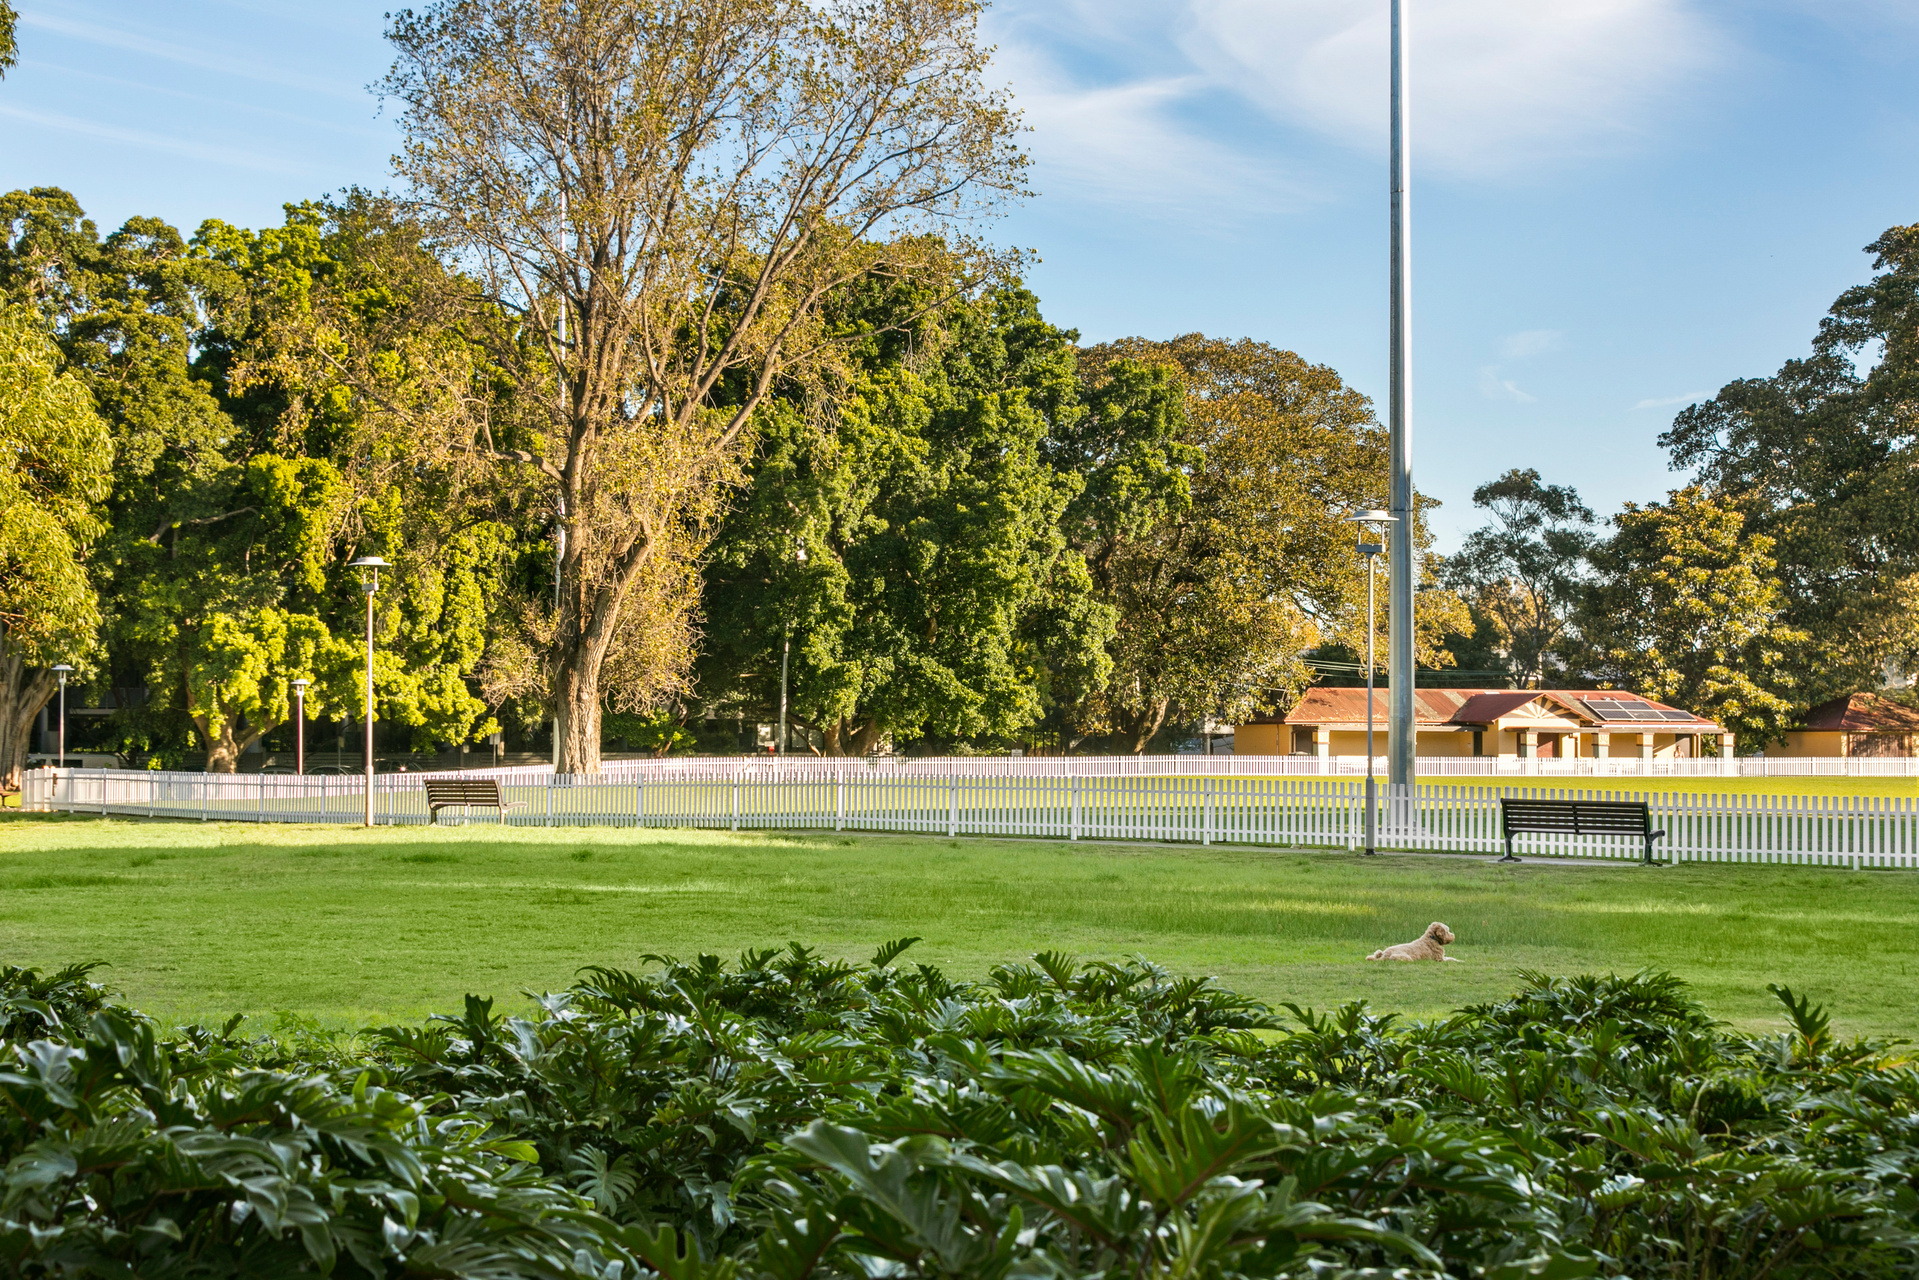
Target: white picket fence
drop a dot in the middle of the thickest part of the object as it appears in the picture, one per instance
(1043, 801)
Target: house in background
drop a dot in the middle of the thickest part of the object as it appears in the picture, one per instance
(1859, 724)
(1515, 724)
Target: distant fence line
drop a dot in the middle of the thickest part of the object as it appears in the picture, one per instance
(1042, 800)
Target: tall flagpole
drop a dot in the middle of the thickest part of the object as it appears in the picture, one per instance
(1399, 603)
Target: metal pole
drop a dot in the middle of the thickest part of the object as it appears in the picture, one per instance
(1372, 625)
(371, 588)
(63, 719)
(786, 651)
(299, 728)
(1399, 640)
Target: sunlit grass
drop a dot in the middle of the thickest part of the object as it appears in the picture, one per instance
(348, 925)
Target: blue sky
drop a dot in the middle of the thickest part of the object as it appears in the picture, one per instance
(1619, 204)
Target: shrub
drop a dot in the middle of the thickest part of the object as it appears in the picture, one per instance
(795, 1117)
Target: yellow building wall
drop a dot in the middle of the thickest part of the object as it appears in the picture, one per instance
(1262, 739)
(1808, 742)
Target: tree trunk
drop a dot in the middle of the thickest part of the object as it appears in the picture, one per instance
(23, 691)
(234, 740)
(1148, 721)
(576, 705)
(851, 738)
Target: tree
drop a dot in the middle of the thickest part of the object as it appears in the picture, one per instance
(1223, 583)
(9, 50)
(929, 519)
(1685, 608)
(667, 193)
(55, 458)
(1820, 457)
(1522, 575)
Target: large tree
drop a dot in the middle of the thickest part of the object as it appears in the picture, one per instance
(935, 577)
(1217, 533)
(55, 458)
(1823, 457)
(1523, 575)
(667, 193)
(1685, 608)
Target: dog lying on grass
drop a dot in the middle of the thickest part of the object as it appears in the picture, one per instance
(1430, 945)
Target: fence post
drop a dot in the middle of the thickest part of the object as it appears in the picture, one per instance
(549, 796)
(639, 804)
(206, 795)
(839, 799)
(736, 799)
(1206, 822)
(952, 801)
(1073, 786)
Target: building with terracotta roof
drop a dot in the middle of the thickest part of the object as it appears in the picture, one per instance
(1859, 724)
(1511, 723)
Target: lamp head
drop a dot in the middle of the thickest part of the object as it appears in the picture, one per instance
(1372, 515)
(369, 567)
(62, 668)
(300, 686)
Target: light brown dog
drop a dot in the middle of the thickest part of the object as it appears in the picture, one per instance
(1430, 945)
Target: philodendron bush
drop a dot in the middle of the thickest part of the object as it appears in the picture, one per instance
(791, 1116)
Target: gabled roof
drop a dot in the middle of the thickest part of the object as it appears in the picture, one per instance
(1478, 708)
(1861, 713)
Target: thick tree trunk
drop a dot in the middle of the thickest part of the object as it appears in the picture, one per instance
(23, 691)
(1147, 722)
(851, 737)
(576, 702)
(235, 740)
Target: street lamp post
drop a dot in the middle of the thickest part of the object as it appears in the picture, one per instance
(786, 653)
(63, 671)
(1370, 521)
(369, 567)
(300, 725)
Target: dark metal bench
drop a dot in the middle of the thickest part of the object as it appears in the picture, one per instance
(1576, 818)
(463, 793)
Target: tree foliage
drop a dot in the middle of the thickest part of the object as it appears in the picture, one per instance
(929, 520)
(1214, 527)
(55, 458)
(1820, 458)
(795, 1117)
(1523, 575)
(1686, 609)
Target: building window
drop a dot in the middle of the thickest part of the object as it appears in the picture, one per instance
(1479, 742)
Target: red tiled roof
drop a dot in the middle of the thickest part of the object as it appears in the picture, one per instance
(1467, 707)
(1862, 713)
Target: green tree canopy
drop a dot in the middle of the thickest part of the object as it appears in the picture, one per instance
(1522, 575)
(55, 459)
(1216, 533)
(1686, 608)
(934, 564)
(1821, 457)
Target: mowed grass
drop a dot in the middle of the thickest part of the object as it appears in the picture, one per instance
(197, 921)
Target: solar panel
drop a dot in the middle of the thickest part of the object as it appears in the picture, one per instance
(1676, 715)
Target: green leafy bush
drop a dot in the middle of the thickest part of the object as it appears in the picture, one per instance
(793, 1117)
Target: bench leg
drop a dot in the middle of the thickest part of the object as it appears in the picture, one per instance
(1509, 851)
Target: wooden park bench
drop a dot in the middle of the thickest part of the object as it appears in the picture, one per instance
(464, 793)
(1576, 818)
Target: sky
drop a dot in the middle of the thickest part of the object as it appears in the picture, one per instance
(1618, 205)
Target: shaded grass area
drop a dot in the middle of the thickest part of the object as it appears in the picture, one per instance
(348, 925)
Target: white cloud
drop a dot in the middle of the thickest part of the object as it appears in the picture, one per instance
(1125, 143)
(1494, 387)
(247, 68)
(1530, 342)
(145, 141)
(1667, 402)
(1496, 85)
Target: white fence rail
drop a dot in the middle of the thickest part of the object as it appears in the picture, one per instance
(853, 796)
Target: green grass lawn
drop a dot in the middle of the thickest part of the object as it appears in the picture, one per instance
(1789, 786)
(349, 925)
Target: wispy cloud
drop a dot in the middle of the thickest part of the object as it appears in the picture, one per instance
(1126, 143)
(1667, 402)
(1530, 342)
(1495, 85)
(145, 141)
(201, 58)
(1495, 387)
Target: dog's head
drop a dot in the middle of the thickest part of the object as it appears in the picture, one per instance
(1440, 933)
